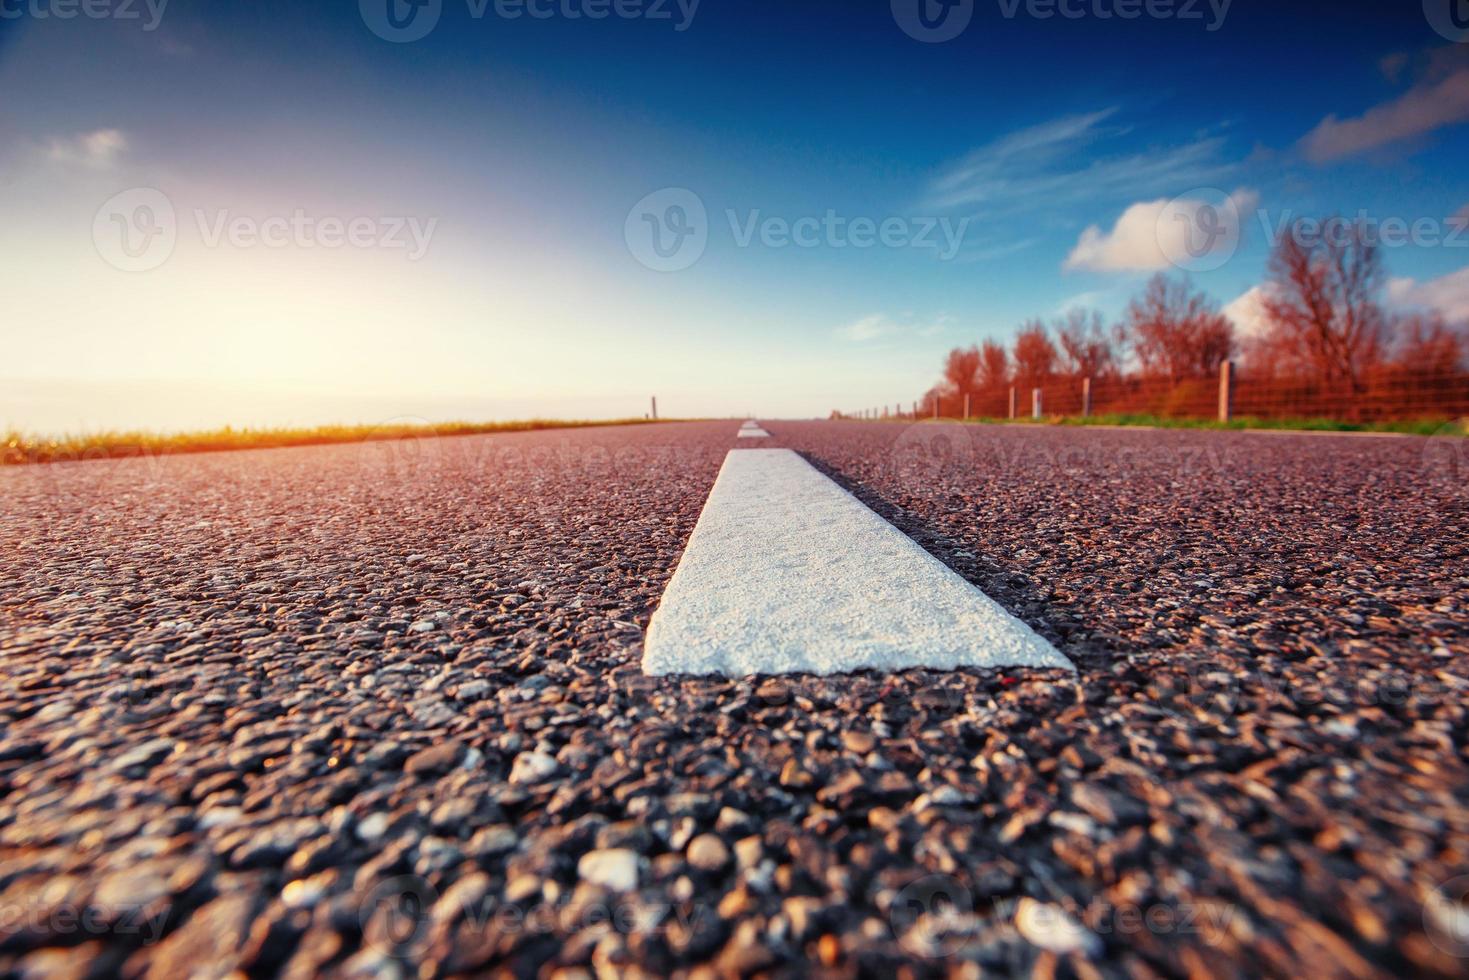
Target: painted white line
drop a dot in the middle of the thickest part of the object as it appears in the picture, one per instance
(786, 572)
(752, 434)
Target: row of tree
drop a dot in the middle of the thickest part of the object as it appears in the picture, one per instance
(1324, 320)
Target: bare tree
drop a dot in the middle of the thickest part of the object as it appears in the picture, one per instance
(1321, 303)
(994, 366)
(1426, 345)
(1177, 332)
(1035, 355)
(1087, 349)
(961, 371)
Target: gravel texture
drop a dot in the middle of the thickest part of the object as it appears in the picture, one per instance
(377, 710)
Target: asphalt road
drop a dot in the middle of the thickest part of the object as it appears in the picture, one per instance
(377, 710)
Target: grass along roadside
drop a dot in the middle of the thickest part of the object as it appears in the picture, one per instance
(1420, 427)
(18, 449)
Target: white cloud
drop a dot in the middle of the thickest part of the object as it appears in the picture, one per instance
(868, 328)
(1152, 235)
(1420, 110)
(1031, 165)
(1448, 294)
(1247, 313)
(879, 326)
(98, 149)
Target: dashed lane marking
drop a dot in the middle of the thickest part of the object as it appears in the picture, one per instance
(786, 572)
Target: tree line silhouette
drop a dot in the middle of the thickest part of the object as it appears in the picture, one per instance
(1324, 322)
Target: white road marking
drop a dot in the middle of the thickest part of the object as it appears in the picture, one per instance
(752, 434)
(786, 572)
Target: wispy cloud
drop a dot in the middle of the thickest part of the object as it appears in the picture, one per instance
(879, 326)
(1440, 98)
(98, 149)
(1039, 167)
(995, 250)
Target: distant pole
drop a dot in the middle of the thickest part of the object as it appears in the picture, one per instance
(915, 411)
(1012, 401)
(655, 408)
(1035, 403)
(1086, 397)
(1226, 391)
(966, 406)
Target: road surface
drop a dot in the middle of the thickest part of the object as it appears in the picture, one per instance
(378, 710)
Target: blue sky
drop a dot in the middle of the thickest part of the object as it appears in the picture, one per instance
(525, 143)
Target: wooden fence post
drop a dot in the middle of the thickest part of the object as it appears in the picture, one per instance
(1035, 403)
(1226, 391)
(1086, 398)
(1012, 401)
